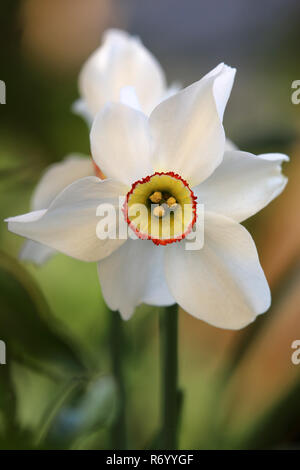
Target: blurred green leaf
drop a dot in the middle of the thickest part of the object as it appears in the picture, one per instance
(7, 400)
(11, 435)
(97, 406)
(27, 327)
(82, 408)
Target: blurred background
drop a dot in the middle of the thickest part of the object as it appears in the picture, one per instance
(241, 389)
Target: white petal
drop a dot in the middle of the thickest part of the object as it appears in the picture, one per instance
(187, 127)
(229, 145)
(58, 176)
(222, 86)
(121, 143)
(129, 97)
(70, 223)
(133, 275)
(35, 252)
(54, 180)
(243, 184)
(172, 90)
(223, 283)
(122, 60)
(80, 108)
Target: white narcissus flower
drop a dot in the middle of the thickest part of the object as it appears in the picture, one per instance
(121, 61)
(179, 150)
(110, 74)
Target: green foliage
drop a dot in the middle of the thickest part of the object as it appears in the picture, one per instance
(26, 324)
(86, 407)
(83, 402)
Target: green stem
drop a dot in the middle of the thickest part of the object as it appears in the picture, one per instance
(169, 368)
(118, 431)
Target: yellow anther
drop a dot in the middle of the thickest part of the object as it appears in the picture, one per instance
(159, 211)
(156, 197)
(171, 201)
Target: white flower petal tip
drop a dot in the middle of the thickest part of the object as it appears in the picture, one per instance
(69, 225)
(29, 217)
(187, 127)
(223, 83)
(274, 157)
(123, 155)
(120, 61)
(243, 184)
(223, 283)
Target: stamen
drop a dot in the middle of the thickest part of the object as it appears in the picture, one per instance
(156, 197)
(171, 201)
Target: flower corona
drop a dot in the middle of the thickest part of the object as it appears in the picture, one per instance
(161, 207)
